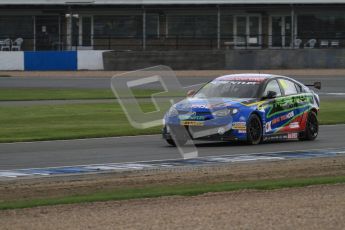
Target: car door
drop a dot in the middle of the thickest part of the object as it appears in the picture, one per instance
(290, 117)
(271, 106)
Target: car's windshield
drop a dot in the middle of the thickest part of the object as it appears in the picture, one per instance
(229, 88)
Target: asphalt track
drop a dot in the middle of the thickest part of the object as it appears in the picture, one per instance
(142, 148)
(330, 84)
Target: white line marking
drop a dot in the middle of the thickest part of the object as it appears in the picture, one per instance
(172, 159)
(335, 94)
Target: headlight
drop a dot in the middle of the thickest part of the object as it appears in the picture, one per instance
(224, 112)
(172, 111)
(221, 113)
(234, 111)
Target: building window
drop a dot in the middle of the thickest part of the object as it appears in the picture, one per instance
(192, 25)
(47, 32)
(321, 25)
(152, 25)
(16, 26)
(118, 26)
(227, 26)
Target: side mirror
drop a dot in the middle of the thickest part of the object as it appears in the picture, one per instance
(191, 93)
(316, 85)
(270, 95)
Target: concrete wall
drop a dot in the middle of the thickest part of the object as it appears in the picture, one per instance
(178, 60)
(11, 60)
(230, 59)
(285, 59)
(52, 60)
(90, 60)
(115, 60)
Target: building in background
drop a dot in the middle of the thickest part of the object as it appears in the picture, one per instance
(172, 24)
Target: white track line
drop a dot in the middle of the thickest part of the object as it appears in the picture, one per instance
(172, 159)
(334, 94)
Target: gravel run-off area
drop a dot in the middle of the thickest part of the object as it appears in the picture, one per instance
(314, 207)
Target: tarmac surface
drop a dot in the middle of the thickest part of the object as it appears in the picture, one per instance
(330, 84)
(142, 148)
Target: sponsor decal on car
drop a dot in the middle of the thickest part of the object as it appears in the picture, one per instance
(292, 135)
(268, 126)
(243, 82)
(191, 116)
(248, 78)
(280, 137)
(239, 125)
(276, 137)
(283, 118)
(294, 125)
(192, 123)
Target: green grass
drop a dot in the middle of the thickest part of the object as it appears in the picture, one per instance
(30, 94)
(332, 111)
(172, 190)
(53, 122)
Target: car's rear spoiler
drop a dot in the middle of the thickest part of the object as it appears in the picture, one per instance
(316, 85)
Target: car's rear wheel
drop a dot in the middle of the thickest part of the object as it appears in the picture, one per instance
(172, 142)
(312, 128)
(254, 130)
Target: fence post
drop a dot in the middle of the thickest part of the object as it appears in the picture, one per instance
(144, 28)
(292, 26)
(218, 27)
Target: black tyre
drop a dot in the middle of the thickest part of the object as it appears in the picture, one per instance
(312, 128)
(172, 142)
(254, 130)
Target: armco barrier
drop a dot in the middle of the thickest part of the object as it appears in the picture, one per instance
(50, 60)
(11, 60)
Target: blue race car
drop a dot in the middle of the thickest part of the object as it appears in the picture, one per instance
(245, 107)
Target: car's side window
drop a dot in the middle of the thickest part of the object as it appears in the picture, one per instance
(272, 86)
(288, 87)
(299, 88)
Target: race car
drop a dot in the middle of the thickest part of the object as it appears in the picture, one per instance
(245, 107)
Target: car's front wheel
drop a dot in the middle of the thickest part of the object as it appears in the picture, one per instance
(254, 130)
(312, 128)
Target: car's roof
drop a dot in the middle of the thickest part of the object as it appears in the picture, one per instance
(248, 77)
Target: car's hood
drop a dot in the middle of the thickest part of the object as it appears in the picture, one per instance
(202, 104)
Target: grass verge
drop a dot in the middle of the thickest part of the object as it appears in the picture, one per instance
(173, 190)
(53, 122)
(31, 94)
(332, 112)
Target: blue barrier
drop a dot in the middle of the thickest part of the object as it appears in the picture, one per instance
(50, 60)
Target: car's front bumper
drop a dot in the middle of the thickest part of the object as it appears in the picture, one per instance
(183, 131)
